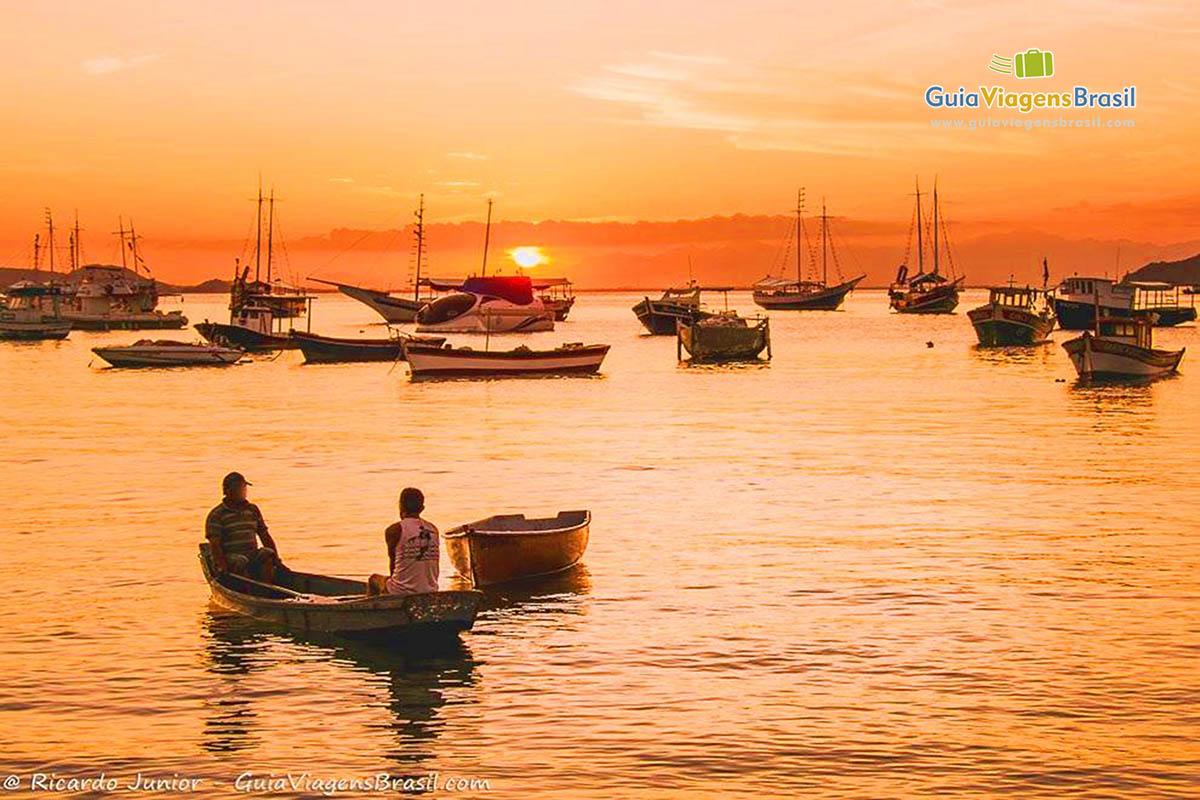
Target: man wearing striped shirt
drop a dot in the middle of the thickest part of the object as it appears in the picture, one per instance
(233, 529)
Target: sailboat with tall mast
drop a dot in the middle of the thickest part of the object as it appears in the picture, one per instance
(258, 308)
(394, 309)
(926, 292)
(812, 294)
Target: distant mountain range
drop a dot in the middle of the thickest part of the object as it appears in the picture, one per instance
(1185, 272)
(11, 275)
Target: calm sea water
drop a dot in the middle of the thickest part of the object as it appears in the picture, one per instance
(872, 568)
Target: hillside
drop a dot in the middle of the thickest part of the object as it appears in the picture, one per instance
(10, 275)
(1185, 272)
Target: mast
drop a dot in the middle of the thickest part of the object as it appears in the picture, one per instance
(799, 234)
(487, 234)
(50, 239)
(121, 234)
(420, 231)
(258, 233)
(133, 246)
(935, 227)
(824, 248)
(270, 231)
(37, 251)
(920, 239)
(75, 248)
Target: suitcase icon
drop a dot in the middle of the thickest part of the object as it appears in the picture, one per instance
(1034, 63)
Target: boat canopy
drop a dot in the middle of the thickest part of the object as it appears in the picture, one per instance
(30, 289)
(928, 277)
(516, 289)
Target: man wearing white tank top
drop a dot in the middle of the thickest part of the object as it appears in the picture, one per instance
(413, 551)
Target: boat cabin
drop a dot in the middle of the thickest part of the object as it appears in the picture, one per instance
(1137, 331)
(554, 289)
(27, 296)
(1023, 298)
(1088, 290)
(1150, 295)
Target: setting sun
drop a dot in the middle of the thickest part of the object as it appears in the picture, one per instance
(527, 257)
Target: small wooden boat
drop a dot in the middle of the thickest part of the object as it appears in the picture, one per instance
(1121, 348)
(509, 547)
(326, 604)
(244, 338)
(660, 317)
(1011, 316)
(724, 337)
(426, 361)
(166, 353)
(330, 349)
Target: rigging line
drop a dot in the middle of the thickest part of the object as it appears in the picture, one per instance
(946, 241)
(369, 231)
(912, 227)
(812, 252)
(783, 255)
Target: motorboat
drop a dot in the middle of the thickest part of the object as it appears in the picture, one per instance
(495, 304)
(512, 547)
(167, 353)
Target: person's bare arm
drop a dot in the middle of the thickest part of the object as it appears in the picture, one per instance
(392, 537)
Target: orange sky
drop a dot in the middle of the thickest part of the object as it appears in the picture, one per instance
(168, 111)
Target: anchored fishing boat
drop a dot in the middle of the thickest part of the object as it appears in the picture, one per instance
(556, 295)
(724, 337)
(1012, 316)
(432, 361)
(108, 297)
(258, 308)
(1077, 299)
(1121, 348)
(326, 604)
(510, 547)
(926, 292)
(32, 311)
(330, 349)
(814, 294)
(165, 353)
(676, 306)
(393, 308)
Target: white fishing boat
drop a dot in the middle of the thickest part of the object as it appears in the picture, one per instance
(426, 361)
(1121, 348)
(166, 353)
(31, 311)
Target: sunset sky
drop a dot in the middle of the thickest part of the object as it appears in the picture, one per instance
(627, 111)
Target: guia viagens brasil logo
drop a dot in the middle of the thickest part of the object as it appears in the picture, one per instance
(1032, 63)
